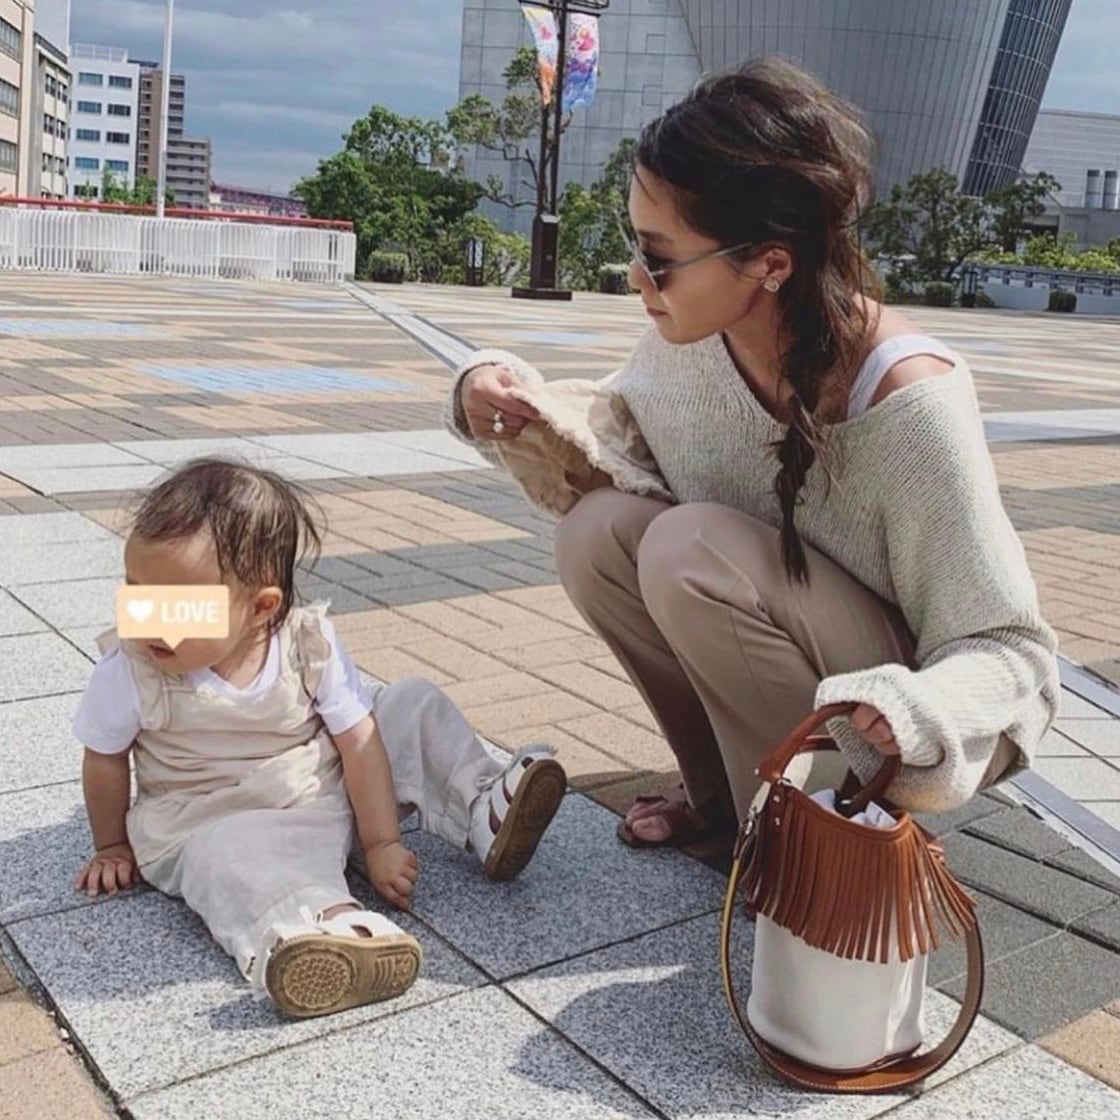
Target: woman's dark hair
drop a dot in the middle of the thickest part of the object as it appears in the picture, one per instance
(763, 156)
(262, 524)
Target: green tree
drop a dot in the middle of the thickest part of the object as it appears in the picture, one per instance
(143, 194)
(928, 228)
(589, 221)
(395, 181)
(511, 129)
(1013, 207)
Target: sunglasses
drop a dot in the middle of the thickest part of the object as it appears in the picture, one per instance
(658, 270)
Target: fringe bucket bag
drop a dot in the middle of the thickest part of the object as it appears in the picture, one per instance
(851, 897)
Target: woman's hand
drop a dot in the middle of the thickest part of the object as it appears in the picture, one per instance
(874, 729)
(492, 413)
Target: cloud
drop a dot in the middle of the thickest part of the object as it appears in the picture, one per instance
(1084, 75)
(276, 84)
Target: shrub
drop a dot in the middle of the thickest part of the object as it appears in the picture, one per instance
(983, 300)
(1062, 301)
(896, 290)
(388, 268)
(614, 279)
(939, 294)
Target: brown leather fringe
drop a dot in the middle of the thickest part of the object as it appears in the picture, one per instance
(850, 889)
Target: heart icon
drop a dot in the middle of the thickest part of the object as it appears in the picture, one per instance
(140, 610)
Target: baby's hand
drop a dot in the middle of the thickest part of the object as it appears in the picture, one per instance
(393, 870)
(112, 869)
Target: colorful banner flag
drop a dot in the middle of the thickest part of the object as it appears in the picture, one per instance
(581, 71)
(543, 24)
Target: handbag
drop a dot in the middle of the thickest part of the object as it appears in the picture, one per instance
(847, 914)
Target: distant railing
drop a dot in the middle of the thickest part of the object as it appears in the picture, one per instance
(1028, 289)
(46, 235)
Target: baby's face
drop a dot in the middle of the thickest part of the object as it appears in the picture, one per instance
(190, 561)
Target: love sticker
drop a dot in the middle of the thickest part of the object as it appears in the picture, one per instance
(172, 613)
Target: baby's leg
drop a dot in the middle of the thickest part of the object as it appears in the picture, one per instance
(461, 792)
(270, 885)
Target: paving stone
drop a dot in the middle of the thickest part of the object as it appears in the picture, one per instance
(75, 604)
(1100, 736)
(1083, 779)
(7, 980)
(150, 980)
(1092, 1044)
(1047, 985)
(44, 840)
(430, 592)
(58, 562)
(25, 1029)
(1103, 926)
(1020, 831)
(1005, 930)
(47, 1085)
(487, 579)
(941, 824)
(15, 618)
(1026, 1084)
(1081, 864)
(1056, 745)
(1045, 891)
(17, 460)
(583, 890)
(648, 1008)
(37, 747)
(506, 1066)
(73, 480)
(40, 665)
(1074, 707)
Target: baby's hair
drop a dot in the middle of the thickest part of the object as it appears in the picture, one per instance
(262, 524)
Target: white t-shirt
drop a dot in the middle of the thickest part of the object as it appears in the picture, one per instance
(108, 717)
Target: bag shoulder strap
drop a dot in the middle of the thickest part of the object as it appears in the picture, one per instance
(886, 1078)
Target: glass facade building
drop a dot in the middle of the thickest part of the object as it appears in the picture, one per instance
(1032, 31)
(954, 84)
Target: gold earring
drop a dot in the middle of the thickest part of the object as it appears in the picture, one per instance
(771, 285)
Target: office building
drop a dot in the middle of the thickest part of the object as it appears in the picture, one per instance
(50, 117)
(17, 75)
(188, 160)
(1081, 151)
(955, 84)
(250, 200)
(103, 115)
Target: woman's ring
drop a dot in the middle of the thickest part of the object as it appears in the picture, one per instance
(499, 424)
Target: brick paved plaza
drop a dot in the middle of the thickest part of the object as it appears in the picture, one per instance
(589, 987)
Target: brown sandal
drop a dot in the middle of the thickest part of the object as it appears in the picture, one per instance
(686, 824)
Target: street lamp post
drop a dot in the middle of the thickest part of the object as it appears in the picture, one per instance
(165, 109)
(546, 222)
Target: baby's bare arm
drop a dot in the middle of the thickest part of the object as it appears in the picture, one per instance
(369, 785)
(107, 787)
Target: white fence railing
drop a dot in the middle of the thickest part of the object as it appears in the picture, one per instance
(131, 245)
(1028, 289)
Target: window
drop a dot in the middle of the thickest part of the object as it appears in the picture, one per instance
(87, 163)
(89, 107)
(120, 110)
(11, 39)
(90, 135)
(9, 156)
(118, 138)
(9, 98)
(85, 78)
(117, 165)
(86, 190)
(119, 81)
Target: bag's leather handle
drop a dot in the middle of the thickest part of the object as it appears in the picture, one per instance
(888, 1077)
(802, 739)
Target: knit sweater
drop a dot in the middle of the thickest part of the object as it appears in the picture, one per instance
(913, 511)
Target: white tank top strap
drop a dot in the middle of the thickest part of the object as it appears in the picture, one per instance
(882, 359)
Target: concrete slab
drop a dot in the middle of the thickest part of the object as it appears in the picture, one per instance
(36, 746)
(150, 981)
(40, 665)
(1027, 1084)
(15, 618)
(75, 603)
(480, 1054)
(62, 562)
(582, 891)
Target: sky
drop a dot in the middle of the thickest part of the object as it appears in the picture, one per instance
(275, 83)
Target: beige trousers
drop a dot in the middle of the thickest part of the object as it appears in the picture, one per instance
(695, 603)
